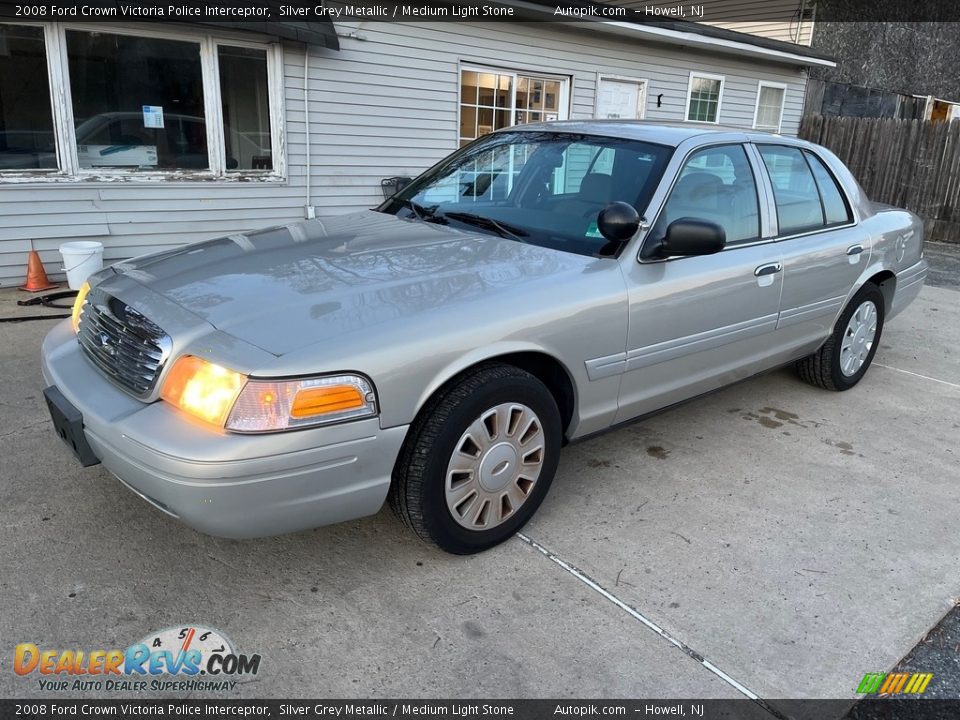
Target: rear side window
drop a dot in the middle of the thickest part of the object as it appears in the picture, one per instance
(794, 189)
(834, 204)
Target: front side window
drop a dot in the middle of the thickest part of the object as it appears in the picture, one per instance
(794, 189)
(137, 102)
(769, 111)
(703, 98)
(491, 100)
(26, 118)
(542, 188)
(716, 184)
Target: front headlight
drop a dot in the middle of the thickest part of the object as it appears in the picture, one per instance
(266, 405)
(78, 306)
(230, 400)
(202, 389)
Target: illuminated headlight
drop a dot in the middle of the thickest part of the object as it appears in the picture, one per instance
(232, 401)
(268, 405)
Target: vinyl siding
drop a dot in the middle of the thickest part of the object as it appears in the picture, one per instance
(386, 104)
(773, 19)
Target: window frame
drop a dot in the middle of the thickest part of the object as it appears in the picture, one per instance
(563, 102)
(761, 183)
(783, 103)
(779, 236)
(58, 74)
(694, 74)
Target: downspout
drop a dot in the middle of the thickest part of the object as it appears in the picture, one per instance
(309, 211)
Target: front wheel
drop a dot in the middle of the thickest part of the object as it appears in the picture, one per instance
(479, 459)
(843, 360)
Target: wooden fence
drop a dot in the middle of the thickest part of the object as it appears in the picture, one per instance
(908, 163)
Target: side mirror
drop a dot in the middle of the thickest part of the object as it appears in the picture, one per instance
(618, 221)
(689, 236)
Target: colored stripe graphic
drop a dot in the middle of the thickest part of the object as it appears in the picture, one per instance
(871, 682)
(894, 683)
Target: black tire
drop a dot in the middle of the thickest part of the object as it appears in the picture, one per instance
(418, 490)
(823, 368)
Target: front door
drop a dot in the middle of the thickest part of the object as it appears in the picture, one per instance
(698, 323)
(620, 99)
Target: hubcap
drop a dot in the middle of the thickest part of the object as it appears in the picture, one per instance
(858, 338)
(495, 466)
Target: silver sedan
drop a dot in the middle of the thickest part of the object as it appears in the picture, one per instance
(543, 284)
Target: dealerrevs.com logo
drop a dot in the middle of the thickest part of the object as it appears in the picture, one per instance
(190, 658)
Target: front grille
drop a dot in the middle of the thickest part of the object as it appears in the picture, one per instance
(123, 344)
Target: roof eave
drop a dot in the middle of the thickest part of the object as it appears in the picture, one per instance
(705, 37)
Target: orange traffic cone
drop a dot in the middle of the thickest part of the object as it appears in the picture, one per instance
(37, 280)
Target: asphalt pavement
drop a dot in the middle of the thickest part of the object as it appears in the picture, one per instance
(771, 539)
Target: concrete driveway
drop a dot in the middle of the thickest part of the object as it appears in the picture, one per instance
(771, 539)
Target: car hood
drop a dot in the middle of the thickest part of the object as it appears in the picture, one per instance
(284, 288)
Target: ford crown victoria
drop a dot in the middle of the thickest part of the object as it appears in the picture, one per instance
(544, 283)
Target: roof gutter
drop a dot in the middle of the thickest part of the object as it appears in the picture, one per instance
(669, 36)
(731, 47)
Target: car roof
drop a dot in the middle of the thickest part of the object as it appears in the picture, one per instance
(653, 131)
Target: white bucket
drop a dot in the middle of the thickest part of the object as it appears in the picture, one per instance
(80, 260)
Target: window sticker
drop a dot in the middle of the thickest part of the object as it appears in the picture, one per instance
(153, 116)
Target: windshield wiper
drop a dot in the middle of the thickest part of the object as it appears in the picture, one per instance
(501, 228)
(423, 214)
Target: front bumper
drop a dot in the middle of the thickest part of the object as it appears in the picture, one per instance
(220, 483)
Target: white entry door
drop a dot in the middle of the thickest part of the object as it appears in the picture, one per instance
(620, 99)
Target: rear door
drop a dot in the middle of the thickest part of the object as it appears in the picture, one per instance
(822, 248)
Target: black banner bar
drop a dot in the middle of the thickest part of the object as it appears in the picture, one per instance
(490, 709)
(651, 11)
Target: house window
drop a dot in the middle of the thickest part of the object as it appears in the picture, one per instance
(129, 103)
(769, 111)
(26, 118)
(245, 94)
(114, 79)
(495, 99)
(704, 95)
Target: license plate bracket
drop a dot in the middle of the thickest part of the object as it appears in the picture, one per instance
(68, 422)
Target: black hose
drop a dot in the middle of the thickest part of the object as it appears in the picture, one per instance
(47, 301)
(26, 318)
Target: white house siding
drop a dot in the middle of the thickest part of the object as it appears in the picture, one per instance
(773, 19)
(385, 104)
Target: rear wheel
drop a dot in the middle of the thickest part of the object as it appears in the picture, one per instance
(843, 360)
(479, 459)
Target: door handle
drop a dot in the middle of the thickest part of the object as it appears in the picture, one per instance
(769, 269)
(854, 249)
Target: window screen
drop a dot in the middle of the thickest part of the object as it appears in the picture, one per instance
(769, 107)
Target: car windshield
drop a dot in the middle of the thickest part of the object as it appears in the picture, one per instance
(544, 188)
